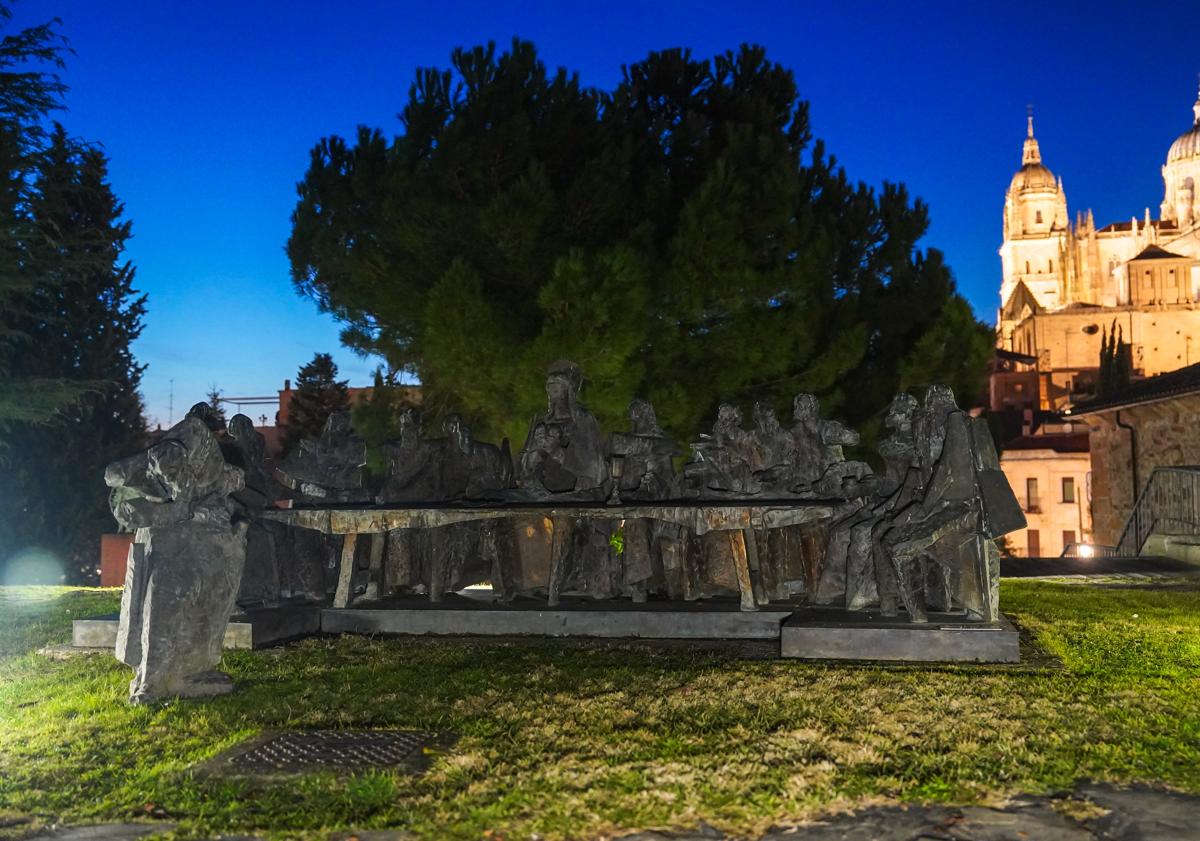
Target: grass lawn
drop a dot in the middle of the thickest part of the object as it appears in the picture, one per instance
(568, 741)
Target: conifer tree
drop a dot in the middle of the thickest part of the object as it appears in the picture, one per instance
(680, 236)
(1122, 364)
(213, 398)
(30, 90)
(84, 315)
(318, 394)
(1104, 377)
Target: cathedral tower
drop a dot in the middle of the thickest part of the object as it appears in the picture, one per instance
(1036, 230)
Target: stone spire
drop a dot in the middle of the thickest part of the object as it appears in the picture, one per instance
(1031, 154)
(1196, 107)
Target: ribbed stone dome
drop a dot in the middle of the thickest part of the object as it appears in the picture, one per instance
(1033, 177)
(1186, 147)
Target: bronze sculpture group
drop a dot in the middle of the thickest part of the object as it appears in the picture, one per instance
(770, 512)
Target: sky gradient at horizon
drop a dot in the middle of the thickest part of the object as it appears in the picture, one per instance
(208, 114)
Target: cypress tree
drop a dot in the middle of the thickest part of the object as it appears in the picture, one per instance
(1105, 374)
(1122, 362)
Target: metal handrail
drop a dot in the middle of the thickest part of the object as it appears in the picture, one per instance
(1170, 499)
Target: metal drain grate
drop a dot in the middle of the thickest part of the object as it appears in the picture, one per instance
(339, 749)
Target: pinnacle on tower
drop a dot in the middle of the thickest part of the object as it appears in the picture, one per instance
(1196, 107)
(1031, 154)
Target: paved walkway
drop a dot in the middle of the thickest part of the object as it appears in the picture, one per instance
(1095, 812)
(1043, 567)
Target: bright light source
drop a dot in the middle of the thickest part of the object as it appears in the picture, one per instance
(1086, 551)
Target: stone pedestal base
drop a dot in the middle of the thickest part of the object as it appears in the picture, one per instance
(253, 628)
(573, 617)
(829, 634)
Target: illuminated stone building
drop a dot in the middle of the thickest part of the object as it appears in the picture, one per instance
(1065, 282)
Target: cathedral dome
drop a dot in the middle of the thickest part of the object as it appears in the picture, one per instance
(1187, 146)
(1033, 177)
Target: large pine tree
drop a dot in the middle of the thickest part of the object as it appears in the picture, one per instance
(51, 483)
(681, 237)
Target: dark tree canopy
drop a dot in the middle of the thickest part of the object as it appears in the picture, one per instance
(319, 393)
(30, 91)
(78, 322)
(681, 237)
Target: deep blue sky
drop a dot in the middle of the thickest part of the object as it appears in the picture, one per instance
(208, 111)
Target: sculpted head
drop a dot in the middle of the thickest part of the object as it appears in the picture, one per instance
(410, 427)
(457, 432)
(337, 426)
(642, 420)
(185, 465)
(207, 415)
(900, 412)
(940, 397)
(806, 407)
(765, 418)
(241, 428)
(563, 381)
(729, 418)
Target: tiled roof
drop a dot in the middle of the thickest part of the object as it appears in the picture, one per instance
(1071, 442)
(1013, 356)
(1153, 252)
(1171, 384)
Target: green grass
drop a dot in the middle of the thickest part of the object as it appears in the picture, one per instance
(570, 741)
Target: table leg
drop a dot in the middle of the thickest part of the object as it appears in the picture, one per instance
(375, 570)
(560, 551)
(341, 598)
(741, 566)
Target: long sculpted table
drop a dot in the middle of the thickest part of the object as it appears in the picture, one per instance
(738, 518)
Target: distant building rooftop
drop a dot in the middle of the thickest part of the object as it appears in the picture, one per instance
(1071, 442)
(1171, 384)
(1154, 252)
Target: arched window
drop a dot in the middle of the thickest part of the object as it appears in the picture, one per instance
(1039, 217)
(1026, 267)
(1051, 267)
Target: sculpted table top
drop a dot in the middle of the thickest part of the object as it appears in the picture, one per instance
(701, 516)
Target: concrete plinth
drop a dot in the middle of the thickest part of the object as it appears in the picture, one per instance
(253, 628)
(574, 617)
(826, 634)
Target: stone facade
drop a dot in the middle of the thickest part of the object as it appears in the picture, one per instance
(1066, 345)
(1051, 480)
(1159, 434)
(1064, 282)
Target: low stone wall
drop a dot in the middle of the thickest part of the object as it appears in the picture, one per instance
(1166, 435)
